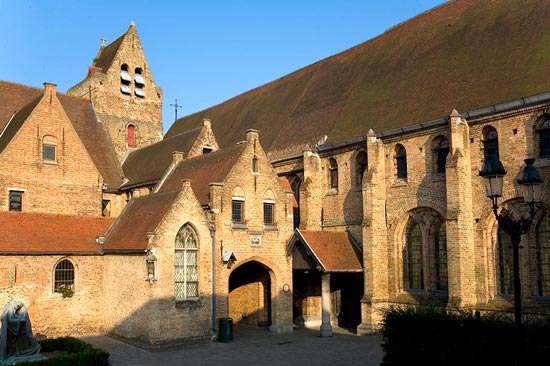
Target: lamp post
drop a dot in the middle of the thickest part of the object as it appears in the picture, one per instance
(493, 171)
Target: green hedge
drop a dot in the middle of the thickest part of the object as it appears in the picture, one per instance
(78, 353)
(435, 336)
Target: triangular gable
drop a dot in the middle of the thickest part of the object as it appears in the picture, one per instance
(16, 123)
(13, 98)
(332, 251)
(203, 170)
(34, 233)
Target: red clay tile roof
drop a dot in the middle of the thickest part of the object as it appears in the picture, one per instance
(80, 113)
(149, 163)
(141, 216)
(34, 233)
(462, 55)
(203, 170)
(333, 250)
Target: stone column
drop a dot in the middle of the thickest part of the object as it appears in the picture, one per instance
(326, 327)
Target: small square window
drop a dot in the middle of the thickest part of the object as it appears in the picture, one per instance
(16, 200)
(48, 152)
(237, 211)
(269, 210)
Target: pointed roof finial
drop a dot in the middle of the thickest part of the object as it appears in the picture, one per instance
(132, 24)
(103, 40)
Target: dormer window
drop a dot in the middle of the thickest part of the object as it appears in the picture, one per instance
(206, 149)
(125, 80)
(139, 83)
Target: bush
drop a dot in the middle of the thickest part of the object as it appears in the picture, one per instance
(436, 336)
(77, 353)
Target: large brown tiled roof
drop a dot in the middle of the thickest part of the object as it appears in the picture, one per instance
(80, 113)
(203, 170)
(463, 55)
(34, 233)
(333, 250)
(13, 97)
(149, 163)
(141, 216)
(107, 54)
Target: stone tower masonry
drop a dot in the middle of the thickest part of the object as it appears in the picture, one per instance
(121, 87)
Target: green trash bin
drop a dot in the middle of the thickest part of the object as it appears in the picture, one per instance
(226, 330)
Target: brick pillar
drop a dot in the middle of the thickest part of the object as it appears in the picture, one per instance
(459, 220)
(375, 238)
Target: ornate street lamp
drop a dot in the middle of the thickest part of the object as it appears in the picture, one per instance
(493, 171)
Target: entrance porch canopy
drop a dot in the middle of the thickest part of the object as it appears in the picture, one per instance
(327, 251)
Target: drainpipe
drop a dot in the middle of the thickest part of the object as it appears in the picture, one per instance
(213, 236)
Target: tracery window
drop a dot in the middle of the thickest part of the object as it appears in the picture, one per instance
(440, 260)
(543, 256)
(505, 264)
(186, 274)
(64, 276)
(414, 263)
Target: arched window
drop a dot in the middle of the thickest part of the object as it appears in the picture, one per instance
(64, 276)
(131, 136)
(361, 165)
(139, 83)
(440, 260)
(125, 80)
(543, 131)
(441, 150)
(401, 162)
(543, 256)
(413, 257)
(505, 269)
(490, 142)
(186, 274)
(333, 173)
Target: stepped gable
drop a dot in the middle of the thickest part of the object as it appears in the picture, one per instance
(14, 97)
(93, 136)
(463, 55)
(148, 164)
(203, 170)
(36, 233)
(142, 215)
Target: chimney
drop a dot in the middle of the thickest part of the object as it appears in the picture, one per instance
(49, 90)
(207, 123)
(252, 135)
(177, 157)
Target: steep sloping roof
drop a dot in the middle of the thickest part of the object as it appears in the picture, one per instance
(141, 216)
(93, 136)
(13, 97)
(107, 54)
(203, 170)
(81, 114)
(464, 54)
(150, 162)
(35, 233)
(333, 251)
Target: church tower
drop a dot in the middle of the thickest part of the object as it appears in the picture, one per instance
(121, 88)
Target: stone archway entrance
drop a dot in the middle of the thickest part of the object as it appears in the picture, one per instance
(250, 295)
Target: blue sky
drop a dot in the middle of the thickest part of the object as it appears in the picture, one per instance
(201, 52)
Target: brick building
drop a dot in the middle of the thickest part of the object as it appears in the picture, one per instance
(317, 199)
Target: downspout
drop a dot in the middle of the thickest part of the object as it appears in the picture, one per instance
(213, 236)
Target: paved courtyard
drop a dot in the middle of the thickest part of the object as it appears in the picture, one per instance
(252, 346)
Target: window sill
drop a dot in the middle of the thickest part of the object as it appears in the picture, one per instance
(438, 178)
(332, 191)
(188, 303)
(50, 162)
(271, 228)
(400, 183)
(239, 226)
